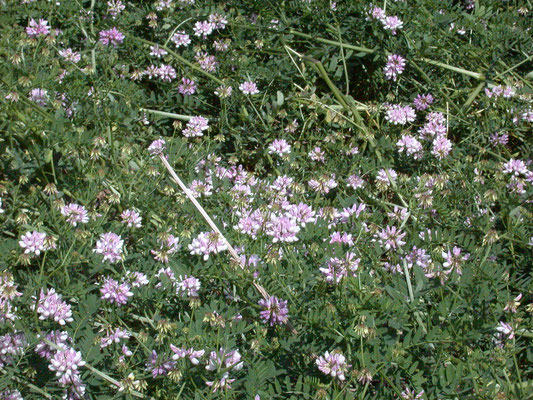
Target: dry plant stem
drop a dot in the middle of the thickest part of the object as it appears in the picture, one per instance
(198, 206)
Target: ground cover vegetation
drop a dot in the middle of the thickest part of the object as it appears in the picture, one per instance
(242, 199)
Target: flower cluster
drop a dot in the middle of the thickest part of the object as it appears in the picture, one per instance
(52, 306)
(196, 127)
(115, 292)
(391, 23)
(37, 29)
(333, 364)
(111, 37)
(110, 246)
(75, 214)
(207, 243)
(35, 242)
(395, 66)
(274, 311)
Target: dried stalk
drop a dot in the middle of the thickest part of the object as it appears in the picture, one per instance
(213, 226)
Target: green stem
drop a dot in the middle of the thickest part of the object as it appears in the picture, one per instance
(334, 42)
(462, 71)
(366, 50)
(180, 117)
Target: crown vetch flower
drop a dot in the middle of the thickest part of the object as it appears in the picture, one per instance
(111, 37)
(33, 242)
(36, 29)
(75, 214)
(115, 292)
(333, 364)
(275, 311)
(110, 246)
(394, 67)
(248, 87)
(51, 305)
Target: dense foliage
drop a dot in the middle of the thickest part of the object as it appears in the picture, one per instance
(370, 164)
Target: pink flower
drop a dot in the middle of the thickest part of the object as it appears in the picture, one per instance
(506, 329)
(187, 87)
(36, 29)
(180, 38)
(333, 364)
(282, 229)
(512, 305)
(51, 305)
(187, 286)
(111, 36)
(441, 147)
(410, 146)
(391, 237)
(203, 29)
(275, 311)
(222, 384)
(166, 73)
(66, 363)
(115, 292)
(75, 214)
(392, 23)
(400, 115)
(515, 167)
(110, 246)
(69, 55)
(39, 96)
(157, 51)
(207, 243)
(423, 101)
(33, 242)
(131, 218)
(195, 127)
(207, 62)
(157, 147)
(395, 66)
(279, 147)
(248, 87)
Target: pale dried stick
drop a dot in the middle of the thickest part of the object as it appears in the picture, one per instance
(198, 206)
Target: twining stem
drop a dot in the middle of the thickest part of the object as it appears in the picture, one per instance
(213, 226)
(366, 50)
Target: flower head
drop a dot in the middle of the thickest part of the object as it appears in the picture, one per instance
(111, 37)
(248, 87)
(333, 364)
(395, 66)
(33, 242)
(275, 311)
(36, 29)
(110, 246)
(115, 292)
(75, 214)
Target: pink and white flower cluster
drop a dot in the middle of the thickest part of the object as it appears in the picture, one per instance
(333, 364)
(391, 23)
(51, 306)
(110, 246)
